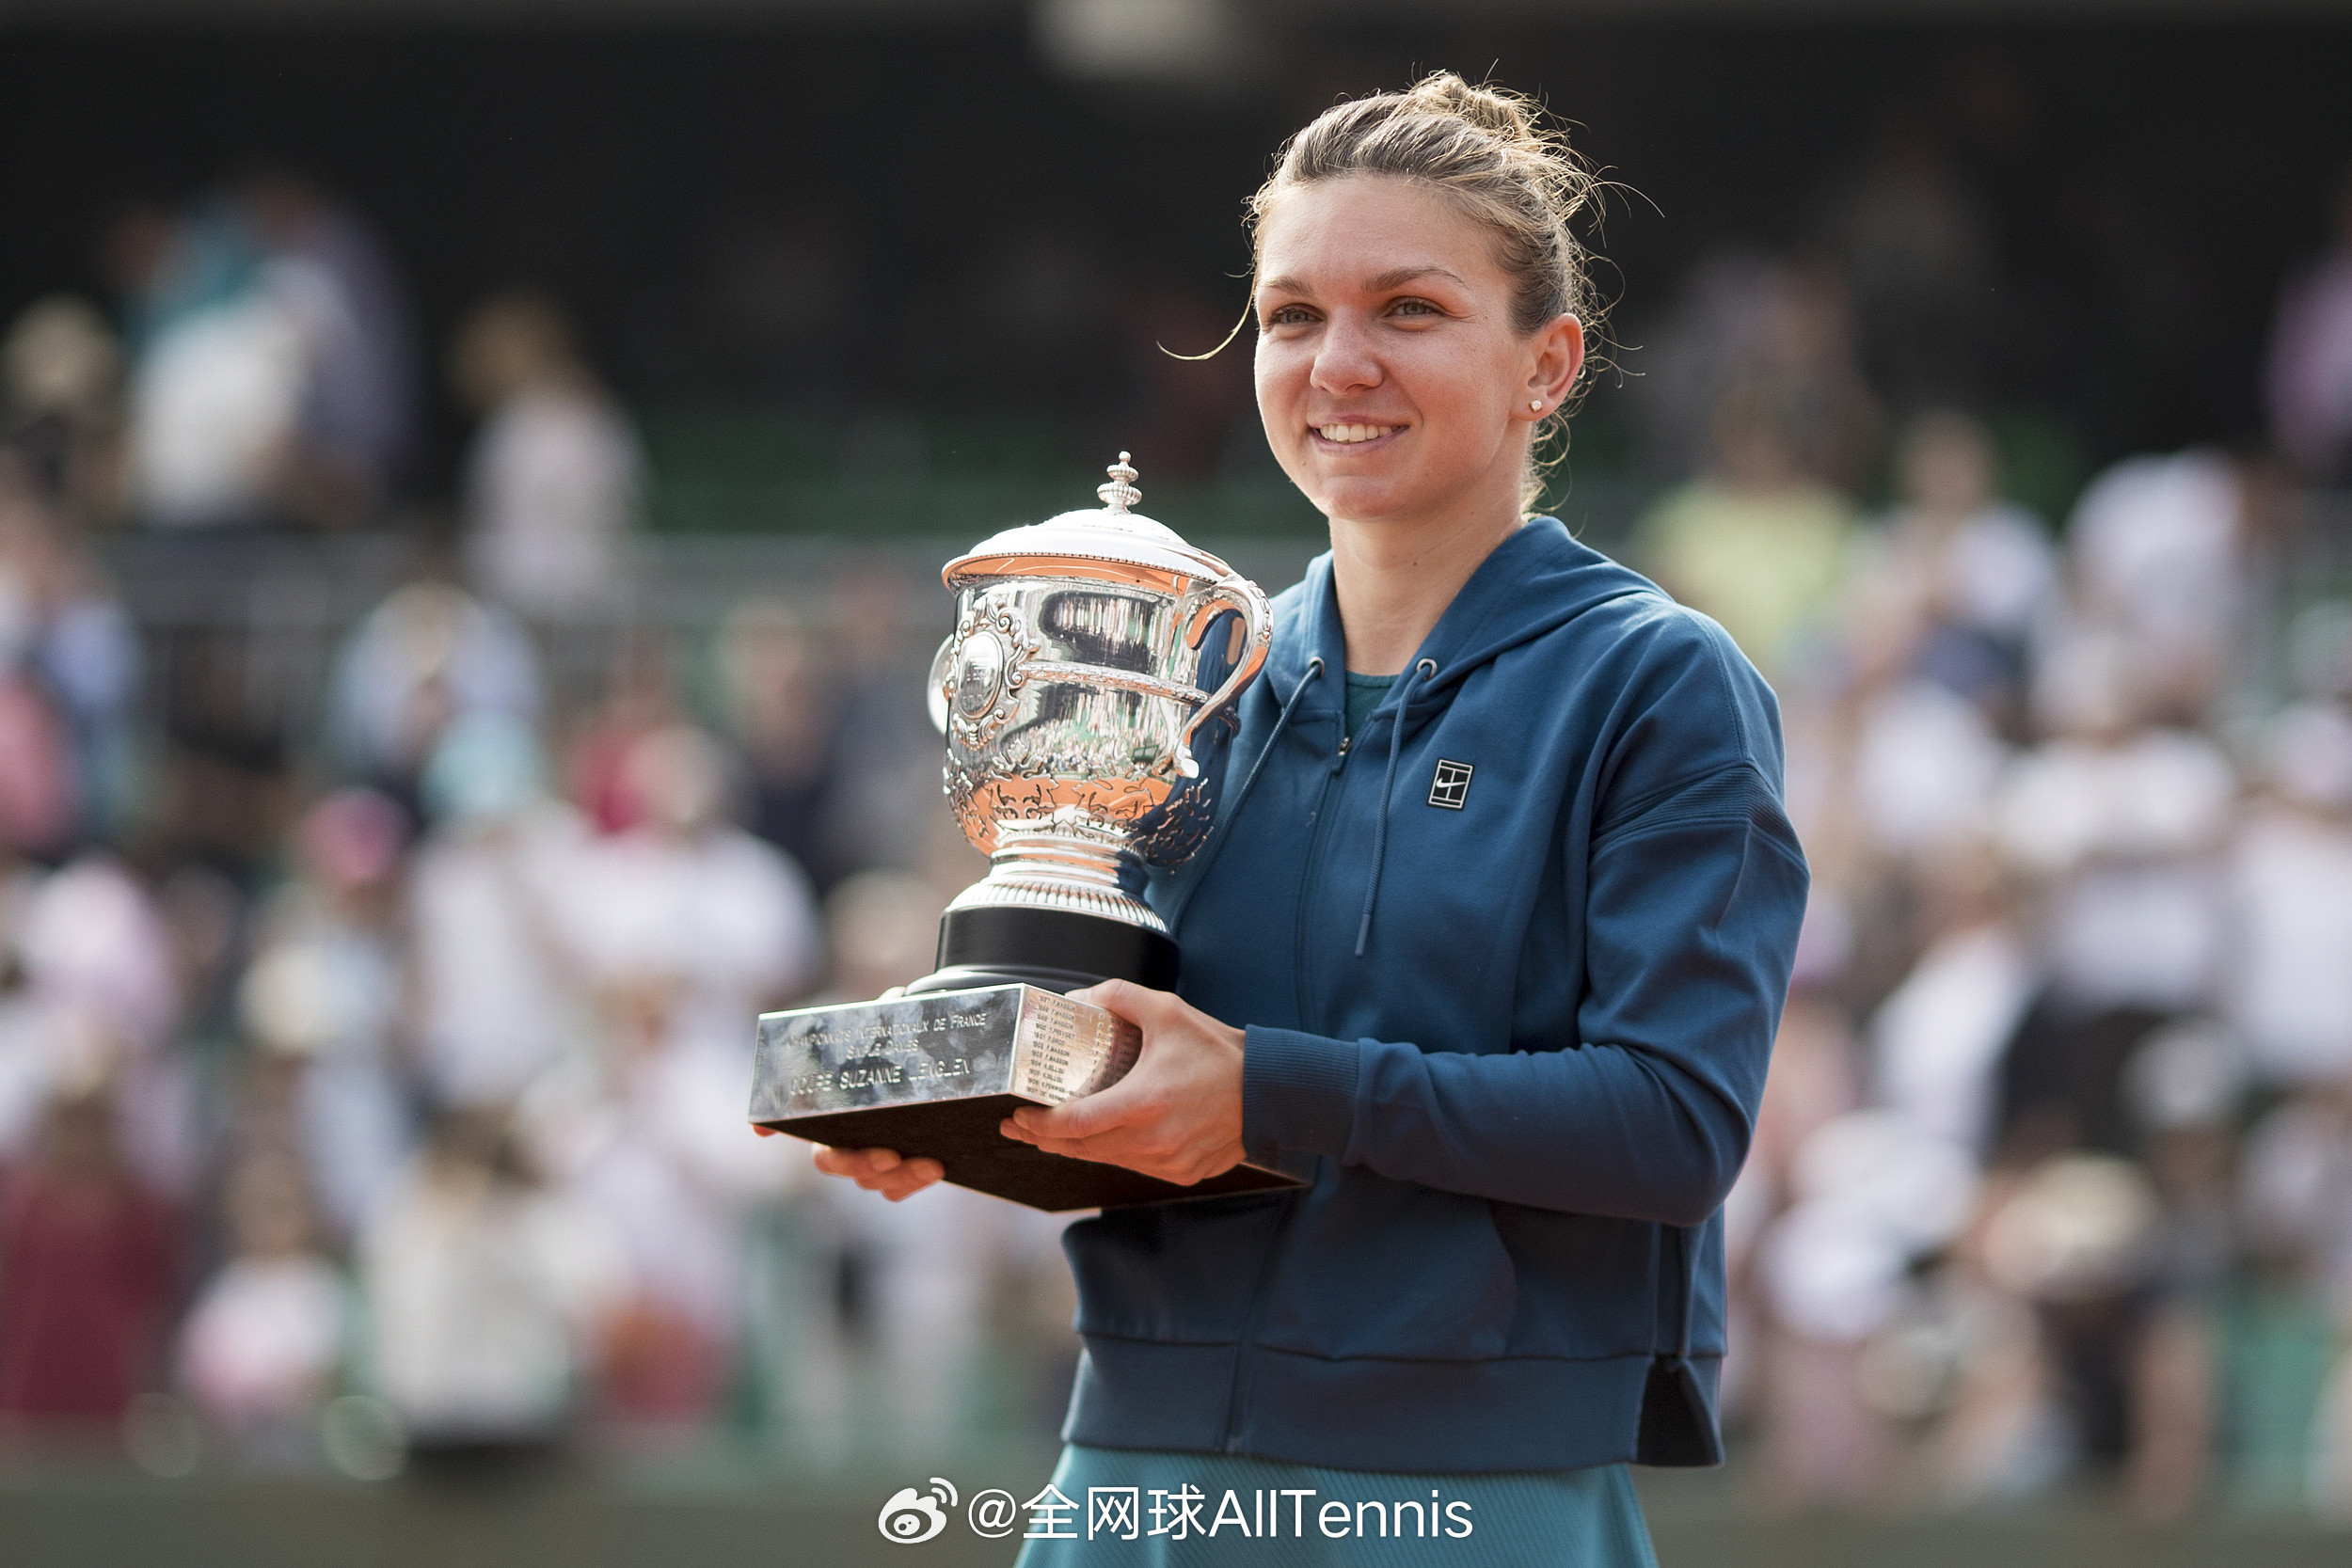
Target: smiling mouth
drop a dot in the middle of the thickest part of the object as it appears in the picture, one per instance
(1354, 435)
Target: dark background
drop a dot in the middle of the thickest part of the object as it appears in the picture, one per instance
(695, 197)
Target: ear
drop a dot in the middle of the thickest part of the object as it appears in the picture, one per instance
(1556, 358)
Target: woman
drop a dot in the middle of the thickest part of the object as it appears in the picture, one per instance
(1493, 931)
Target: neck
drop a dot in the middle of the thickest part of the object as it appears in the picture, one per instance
(1394, 578)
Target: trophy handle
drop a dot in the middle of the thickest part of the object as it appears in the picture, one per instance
(938, 690)
(1234, 592)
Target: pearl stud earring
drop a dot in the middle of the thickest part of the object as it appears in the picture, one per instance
(1534, 405)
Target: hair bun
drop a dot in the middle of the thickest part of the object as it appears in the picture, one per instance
(1500, 113)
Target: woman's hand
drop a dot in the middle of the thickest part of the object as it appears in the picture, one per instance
(1176, 1115)
(879, 1170)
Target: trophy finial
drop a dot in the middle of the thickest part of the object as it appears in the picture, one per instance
(1120, 494)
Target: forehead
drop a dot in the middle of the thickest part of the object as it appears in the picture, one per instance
(1337, 234)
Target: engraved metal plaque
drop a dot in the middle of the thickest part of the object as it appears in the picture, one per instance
(933, 1075)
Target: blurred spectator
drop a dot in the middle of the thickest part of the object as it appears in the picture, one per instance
(61, 404)
(28, 1062)
(2158, 559)
(831, 716)
(1756, 543)
(487, 1296)
(331, 276)
(1870, 1193)
(498, 993)
(269, 377)
(265, 1340)
(552, 480)
(323, 991)
(2122, 821)
(1937, 1041)
(427, 657)
(780, 706)
(100, 965)
(640, 698)
(38, 783)
(71, 663)
(2311, 355)
(216, 368)
(89, 1256)
(2290, 986)
(1968, 577)
(2077, 1236)
(884, 749)
(688, 906)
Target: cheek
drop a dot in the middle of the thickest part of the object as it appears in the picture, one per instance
(1268, 365)
(1280, 379)
(1465, 389)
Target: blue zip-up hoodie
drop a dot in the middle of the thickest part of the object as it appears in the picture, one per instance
(1510, 966)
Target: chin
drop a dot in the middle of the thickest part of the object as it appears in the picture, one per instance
(1363, 499)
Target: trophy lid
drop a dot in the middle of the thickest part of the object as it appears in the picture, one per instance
(1113, 543)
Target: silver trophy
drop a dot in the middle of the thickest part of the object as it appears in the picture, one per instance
(1090, 652)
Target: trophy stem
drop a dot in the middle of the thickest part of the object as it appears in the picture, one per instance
(1052, 868)
(1051, 913)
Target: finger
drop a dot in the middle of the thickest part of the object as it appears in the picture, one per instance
(1138, 1004)
(1122, 1145)
(855, 1162)
(1076, 1149)
(1086, 1116)
(906, 1181)
(768, 1131)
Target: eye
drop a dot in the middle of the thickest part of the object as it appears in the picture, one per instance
(1289, 315)
(1414, 308)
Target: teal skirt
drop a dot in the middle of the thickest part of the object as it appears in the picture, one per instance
(1137, 1509)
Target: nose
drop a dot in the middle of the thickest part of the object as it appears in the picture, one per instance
(1344, 359)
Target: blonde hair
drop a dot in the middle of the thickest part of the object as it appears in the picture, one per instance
(1489, 149)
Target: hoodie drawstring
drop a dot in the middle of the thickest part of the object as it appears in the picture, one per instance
(1249, 783)
(1387, 787)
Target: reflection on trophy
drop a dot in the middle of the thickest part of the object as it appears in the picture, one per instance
(1091, 653)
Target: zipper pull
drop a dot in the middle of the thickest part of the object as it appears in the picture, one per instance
(1339, 758)
(1343, 744)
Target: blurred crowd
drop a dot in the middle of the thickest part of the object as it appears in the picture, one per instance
(2053, 1186)
(417, 1134)
(373, 1092)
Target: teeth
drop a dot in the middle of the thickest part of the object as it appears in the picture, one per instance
(1351, 434)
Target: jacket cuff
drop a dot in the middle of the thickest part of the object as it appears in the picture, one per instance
(1297, 1092)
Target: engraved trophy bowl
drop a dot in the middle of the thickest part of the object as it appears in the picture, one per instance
(1089, 652)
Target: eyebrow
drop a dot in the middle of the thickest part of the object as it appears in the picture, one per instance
(1405, 275)
(1381, 283)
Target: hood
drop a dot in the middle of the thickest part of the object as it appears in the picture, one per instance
(1538, 578)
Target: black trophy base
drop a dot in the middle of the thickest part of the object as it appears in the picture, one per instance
(1055, 950)
(962, 1134)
